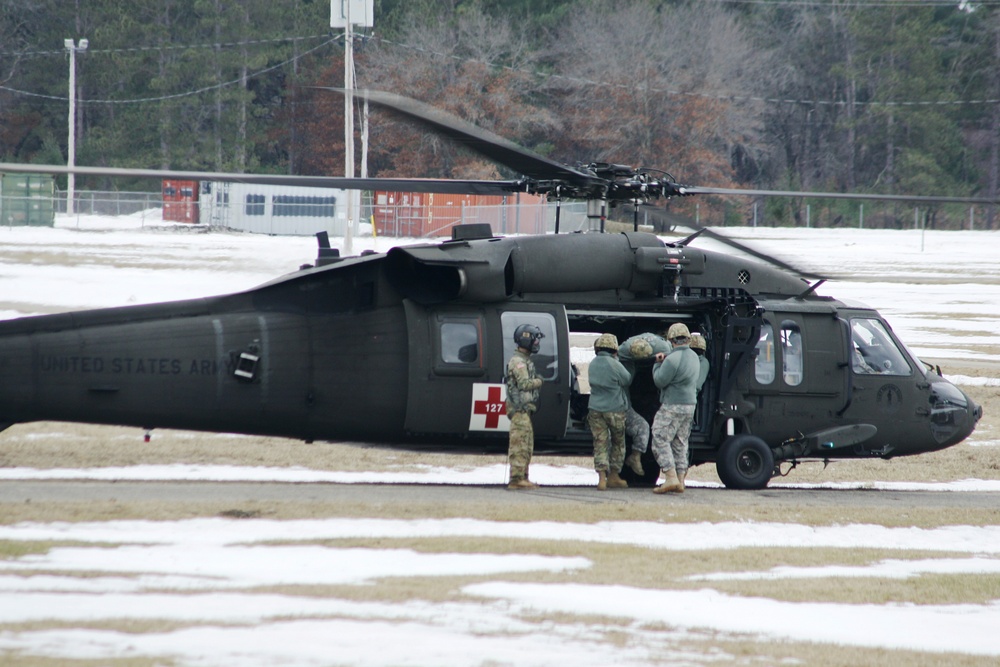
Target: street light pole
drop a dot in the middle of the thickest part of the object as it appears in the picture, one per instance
(71, 147)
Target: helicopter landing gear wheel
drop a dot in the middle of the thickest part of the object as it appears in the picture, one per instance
(745, 462)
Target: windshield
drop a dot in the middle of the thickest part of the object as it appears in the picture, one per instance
(875, 352)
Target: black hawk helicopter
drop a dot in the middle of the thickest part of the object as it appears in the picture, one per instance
(410, 346)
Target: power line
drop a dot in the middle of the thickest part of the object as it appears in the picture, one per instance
(168, 47)
(682, 93)
(533, 73)
(963, 5)
(190, 93)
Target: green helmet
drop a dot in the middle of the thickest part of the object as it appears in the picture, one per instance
(678, 330)
(606, 342)
(641, 349)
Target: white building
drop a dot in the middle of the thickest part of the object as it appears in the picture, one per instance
(273, 209)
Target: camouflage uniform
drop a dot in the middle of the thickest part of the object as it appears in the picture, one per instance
(671, 431)
(608, 429)
(609, 382)
(676, 377)
(523, 384)
(637, 429)
(630, 351)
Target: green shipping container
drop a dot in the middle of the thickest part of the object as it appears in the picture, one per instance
(27, 199)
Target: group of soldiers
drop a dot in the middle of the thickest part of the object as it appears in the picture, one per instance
(679, 370)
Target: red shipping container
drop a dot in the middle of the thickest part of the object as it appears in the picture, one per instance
(419, 214)
(180, 201)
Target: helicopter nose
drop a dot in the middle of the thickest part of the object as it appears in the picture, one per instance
(953, 414)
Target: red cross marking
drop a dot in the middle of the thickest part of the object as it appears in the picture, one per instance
(492, 407)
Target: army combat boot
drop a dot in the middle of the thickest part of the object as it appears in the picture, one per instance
(616, 482)
(671, 484)
(634, 462)
(602, 480)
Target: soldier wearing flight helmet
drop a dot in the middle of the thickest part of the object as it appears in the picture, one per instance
(676, 376)
(523, 384)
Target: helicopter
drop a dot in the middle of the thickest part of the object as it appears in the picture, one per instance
(409, 347)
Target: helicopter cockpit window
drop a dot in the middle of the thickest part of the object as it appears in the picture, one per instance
(460, 343)
(764, 369)
(547, 358)
(875, 352)
(791, 353)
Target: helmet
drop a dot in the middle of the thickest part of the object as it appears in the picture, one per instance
(678, 330)
(697, 342)
(606, 342)
(528, 337)
(641, 349)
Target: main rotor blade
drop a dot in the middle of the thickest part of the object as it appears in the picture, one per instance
(478, 140)
(444, 186)
(753, 252)
(726, 240)
(697, 190)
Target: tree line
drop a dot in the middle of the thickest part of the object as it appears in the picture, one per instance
(844, 95)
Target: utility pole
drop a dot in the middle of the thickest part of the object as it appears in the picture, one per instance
(349, 125)
(73, 48)
(346, 14)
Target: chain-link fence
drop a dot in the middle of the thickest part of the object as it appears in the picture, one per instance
(90, 202)
(517, 218)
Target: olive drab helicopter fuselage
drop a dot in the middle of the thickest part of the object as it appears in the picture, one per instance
(410, 346)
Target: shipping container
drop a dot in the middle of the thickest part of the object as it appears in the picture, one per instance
(273, 209)
(180, 201)
(27, 199)
(417, 215)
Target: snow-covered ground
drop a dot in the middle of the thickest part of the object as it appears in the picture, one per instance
(209, 583)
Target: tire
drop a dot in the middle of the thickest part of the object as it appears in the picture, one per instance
(745, 462)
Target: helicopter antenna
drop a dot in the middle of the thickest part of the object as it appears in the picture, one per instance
(812, 288)
(692, 237)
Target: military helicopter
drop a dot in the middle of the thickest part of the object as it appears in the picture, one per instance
(409, 346)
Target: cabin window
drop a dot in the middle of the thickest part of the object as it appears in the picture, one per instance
(461, 342)
(254, 205)
(547, 358)
(875, 352)
(791, 353)
(764, 365)
(293, 205)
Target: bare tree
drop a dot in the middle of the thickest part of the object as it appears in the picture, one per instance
(473, 65)
(659, 86)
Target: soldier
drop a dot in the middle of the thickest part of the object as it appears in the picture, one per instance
(609, 382)
(637, 348)
(523, 384)
(676, 376)
(700, 348)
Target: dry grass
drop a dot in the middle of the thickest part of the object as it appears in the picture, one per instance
(50, 445)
